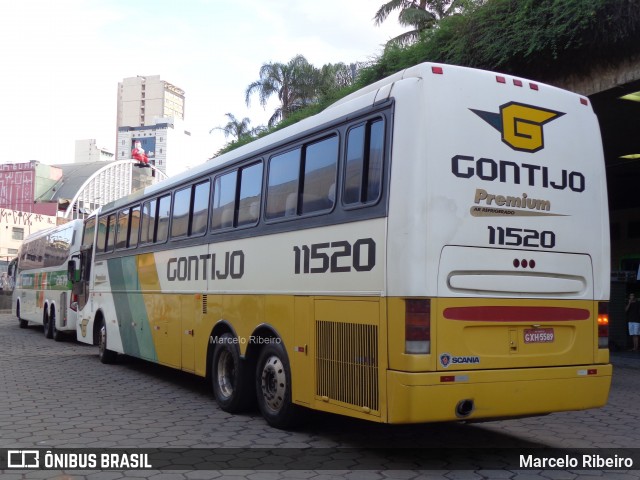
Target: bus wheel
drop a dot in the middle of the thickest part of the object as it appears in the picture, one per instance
(273, 385)
(23, 323)
(105, 355)
(55, 333)
(231, 385)
(46, 324)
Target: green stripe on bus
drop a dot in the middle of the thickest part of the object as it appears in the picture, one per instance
(133, 321)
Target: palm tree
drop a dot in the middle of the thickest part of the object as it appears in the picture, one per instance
(294, 83)
(421, 15)
(236, 128)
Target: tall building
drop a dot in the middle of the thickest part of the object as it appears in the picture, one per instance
(142, 99)
(166, 143)
(151, 111)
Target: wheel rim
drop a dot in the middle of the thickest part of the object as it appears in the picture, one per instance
(102, 340)
(226, 372)
(273, 384)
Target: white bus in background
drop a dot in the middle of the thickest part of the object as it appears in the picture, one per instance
(42, 293)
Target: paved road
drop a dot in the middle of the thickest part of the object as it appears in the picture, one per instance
(58, 395)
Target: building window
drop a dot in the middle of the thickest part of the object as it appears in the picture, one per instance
(12, 251)
(17, 233)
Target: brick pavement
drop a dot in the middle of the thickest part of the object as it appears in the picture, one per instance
(58, 395)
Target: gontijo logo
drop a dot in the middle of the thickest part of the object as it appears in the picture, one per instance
(520, 124)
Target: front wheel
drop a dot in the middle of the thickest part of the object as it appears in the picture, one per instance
(231, 381)
(105, 355)
(273, 385)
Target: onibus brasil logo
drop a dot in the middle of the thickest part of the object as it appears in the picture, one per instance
(520, 124)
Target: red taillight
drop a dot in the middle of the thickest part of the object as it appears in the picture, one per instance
(73, 303)
(437, 70)
(417, 322)
(603, 324)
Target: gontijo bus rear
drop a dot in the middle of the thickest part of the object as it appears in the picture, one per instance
(433, 247)
(498, 249)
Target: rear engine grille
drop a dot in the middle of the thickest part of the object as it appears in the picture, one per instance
(347, 363)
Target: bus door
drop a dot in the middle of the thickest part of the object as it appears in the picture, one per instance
(80, 282)
(189, 306)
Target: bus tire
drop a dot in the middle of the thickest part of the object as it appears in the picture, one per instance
(273, 388)
(23, 323)
(46, 324)
(55, 333)
(229, 376)
(105, 355)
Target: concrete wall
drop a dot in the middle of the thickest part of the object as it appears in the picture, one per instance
(601, 77)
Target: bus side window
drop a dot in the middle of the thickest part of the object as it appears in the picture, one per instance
(102, 234)
(148, 222)
(88, 232)
(164, 207)
(250, 193)
(122, 228)
(111, 233)
(320, 168)
(134, 226)
(224, 201)
(180, 219)
(364, 163)
(200, 209)
(282, 186)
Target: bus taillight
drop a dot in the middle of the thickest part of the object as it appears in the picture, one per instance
(73, 304)
(417, 324)
(603, 324)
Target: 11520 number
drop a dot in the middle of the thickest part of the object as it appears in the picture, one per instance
(335, 257)
(521, 237)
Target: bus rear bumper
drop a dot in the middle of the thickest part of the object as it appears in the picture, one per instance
(475, 395)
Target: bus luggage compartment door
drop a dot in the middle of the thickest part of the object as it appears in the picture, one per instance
(500, 308)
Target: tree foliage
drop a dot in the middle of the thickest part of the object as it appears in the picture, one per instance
(297, 84)
(538, 39)
(421, 15)
(235, 128)
(541, 39)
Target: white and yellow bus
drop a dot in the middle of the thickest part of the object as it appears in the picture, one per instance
(42, 293)
(433, 247)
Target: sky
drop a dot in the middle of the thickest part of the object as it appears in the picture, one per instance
(61, 61)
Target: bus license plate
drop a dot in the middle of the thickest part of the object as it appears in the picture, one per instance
(538, 335)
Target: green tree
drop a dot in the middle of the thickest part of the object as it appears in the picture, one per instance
(236, 128)
(298, 84)
(292, 82)
(421, 15)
